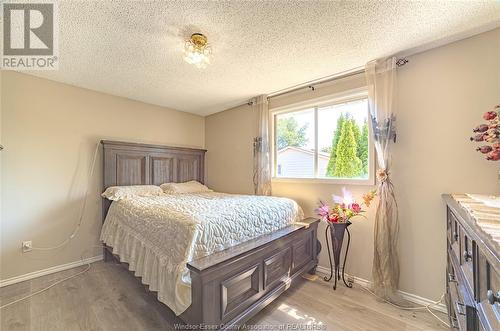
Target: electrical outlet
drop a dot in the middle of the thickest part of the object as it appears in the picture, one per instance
(26, 246)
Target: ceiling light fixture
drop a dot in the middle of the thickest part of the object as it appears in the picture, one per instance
(197, 50)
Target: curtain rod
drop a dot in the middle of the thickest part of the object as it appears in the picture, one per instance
(310, 84)
(322, 80)
(359, 70)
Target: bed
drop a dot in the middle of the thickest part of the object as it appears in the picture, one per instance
(214, 259)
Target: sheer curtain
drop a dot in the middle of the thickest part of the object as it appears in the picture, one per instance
(381, 81)
(262, 150)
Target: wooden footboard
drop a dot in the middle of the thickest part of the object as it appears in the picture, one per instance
(231, 286)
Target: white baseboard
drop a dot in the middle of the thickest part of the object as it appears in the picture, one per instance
(48, 271)
(405, 295)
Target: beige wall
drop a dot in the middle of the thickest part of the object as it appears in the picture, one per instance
(50, 131)
(229, 161)
(442, 95)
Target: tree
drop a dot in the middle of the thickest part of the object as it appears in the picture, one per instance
(363, 149)
(335, 140)
(289, 133)
(357, 136)
(347, 163)
(356, 130)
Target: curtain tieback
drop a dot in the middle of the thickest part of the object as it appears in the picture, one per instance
(382, 175)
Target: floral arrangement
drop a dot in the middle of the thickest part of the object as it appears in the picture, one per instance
(344, 208)
(489, 133)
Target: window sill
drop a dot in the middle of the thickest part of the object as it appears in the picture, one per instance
(362, 182)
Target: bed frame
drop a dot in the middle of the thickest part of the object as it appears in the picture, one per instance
(230, 286)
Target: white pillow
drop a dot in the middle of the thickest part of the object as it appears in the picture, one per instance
(187, 187)
(116, 193)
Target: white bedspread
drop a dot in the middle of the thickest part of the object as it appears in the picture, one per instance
(158, 235)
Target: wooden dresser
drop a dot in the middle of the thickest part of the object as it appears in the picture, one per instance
(473, 266)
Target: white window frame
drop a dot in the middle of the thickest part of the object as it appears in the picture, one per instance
(330, 100)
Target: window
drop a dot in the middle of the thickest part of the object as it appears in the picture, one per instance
(329, 141)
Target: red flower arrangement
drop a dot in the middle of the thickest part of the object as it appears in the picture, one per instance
(344, 208)
(489, 133)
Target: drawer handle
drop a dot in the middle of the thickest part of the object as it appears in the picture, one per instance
(451, 278)
(460, 307)
(467, 255)
(492, 297)
(455, 236)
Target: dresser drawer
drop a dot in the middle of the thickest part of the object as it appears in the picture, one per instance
(452, 227)
(467, 259)
(451, 282)
(461, 306)
(488, 280)
(454, 233)
(456, 307)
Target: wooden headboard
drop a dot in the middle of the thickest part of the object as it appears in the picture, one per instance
(140, 164)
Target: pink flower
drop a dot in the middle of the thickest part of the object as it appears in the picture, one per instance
(323, 210)
(494, 155)
(333, 218)
(355, 207)
(490, 115)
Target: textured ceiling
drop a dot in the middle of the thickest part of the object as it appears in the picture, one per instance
(134, 49)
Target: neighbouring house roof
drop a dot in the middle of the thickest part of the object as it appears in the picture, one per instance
(322, 155)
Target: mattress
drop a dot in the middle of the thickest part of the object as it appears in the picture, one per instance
(158, 235)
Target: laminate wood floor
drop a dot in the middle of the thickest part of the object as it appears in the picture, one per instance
(108, 297)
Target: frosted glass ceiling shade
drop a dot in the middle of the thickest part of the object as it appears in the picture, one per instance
(197, 51)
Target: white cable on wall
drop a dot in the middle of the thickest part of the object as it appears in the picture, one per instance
(82, 211)
(67, 240)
